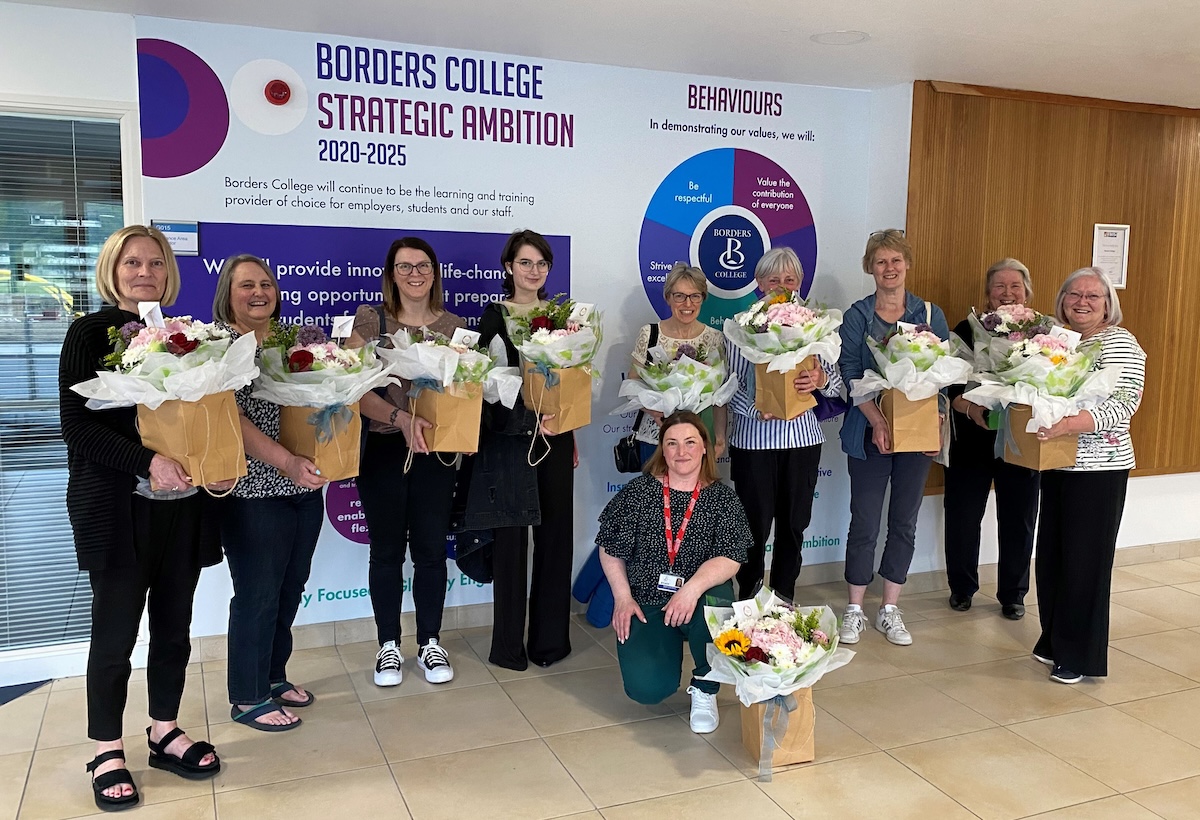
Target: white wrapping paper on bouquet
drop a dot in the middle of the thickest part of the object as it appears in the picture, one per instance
(571, 350)
(687, 384)
(781, 349)
(905, 376)
(214, 367)
(443, 365)
(318, 388)
(995, 393)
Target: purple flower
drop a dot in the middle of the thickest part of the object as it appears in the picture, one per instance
(310, 335)
(685, 349)
(129, 330)
(924, 328)
(990, 322)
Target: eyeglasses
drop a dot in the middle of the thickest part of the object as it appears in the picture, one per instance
(405, 268)
(1090, 298)
(526, 265)
(888, 233)
(683, 298)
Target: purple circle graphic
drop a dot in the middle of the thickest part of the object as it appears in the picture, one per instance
(345, 511)
(200, 133)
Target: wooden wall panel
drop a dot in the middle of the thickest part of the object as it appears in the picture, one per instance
(995, 174)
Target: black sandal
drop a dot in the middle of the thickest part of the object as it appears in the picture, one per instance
(278, 690)
(188, 766)
(117, 777)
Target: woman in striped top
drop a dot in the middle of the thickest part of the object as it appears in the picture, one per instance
(1075, 552)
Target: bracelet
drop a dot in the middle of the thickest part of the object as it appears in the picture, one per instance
(392, 417)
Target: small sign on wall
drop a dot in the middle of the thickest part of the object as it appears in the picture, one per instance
(183, 237)
(1110, 251)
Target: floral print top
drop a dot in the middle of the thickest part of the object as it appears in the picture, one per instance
(1110, 447)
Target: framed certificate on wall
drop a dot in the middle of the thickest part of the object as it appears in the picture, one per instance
(1110, 251)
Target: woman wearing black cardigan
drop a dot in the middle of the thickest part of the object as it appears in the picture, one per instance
(140, 531)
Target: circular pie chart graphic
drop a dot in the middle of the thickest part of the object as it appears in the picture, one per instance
(721, 210)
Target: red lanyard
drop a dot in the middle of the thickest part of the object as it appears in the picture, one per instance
(673, 544)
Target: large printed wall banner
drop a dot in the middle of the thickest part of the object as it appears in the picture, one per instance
(316, 151)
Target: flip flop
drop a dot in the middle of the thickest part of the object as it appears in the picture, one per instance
(108, 780)
(277, 695)
(250, 718)
(186, 765)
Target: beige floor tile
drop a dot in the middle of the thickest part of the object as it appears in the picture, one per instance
(1172, 801)
(936, 645)
(935, 606)
(1176, 714)
(713, 803)
(136, 676)
(865, 666)
(1110, 808)
(1123, 580)
(21, 721)
(868, 786)
(1124, 622)
(1116, 749)
(574, 701)
(65, 722)
(324, 675)
(1013, 638)
(452, 720)
(297, 656)
(363, 792)
(1131, 678)
(1177, 651)
(331, 739)
(194, 808)
(1169, 604)
(586, 653)
(998, 775)
(638, 761)
(1178, 571)
(1009, 691)
(359, 660)
(14, 769)
(834, 741)
(518, 781)
(899, 711)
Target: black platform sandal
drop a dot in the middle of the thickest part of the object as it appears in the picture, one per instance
(188, 766)
(117, 777)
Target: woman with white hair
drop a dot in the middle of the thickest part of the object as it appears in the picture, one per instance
(973, 470)
(773, 461)
(1082, 505)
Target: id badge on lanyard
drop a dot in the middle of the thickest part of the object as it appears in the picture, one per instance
(668, 581)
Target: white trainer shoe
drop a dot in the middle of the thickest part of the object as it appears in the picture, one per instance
(387, 665)
(854, 621)
(891, 624)
(704, 717)
(434, 662)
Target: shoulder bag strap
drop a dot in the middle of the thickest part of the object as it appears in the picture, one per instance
(928, 314)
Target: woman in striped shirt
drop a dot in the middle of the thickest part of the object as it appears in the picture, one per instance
(1082, 505)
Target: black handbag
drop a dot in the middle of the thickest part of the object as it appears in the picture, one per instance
(627, 453)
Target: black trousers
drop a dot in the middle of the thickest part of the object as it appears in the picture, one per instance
(1077, 539)
(166, 540)
(967, 485)
(775, 486)
(549, 592)
(406, 511)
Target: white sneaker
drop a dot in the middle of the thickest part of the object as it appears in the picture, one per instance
(854, 621)
(434, 662)
(387, 665)
(891, 624)
(704, 718)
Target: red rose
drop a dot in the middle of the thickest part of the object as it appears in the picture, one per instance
(755, 654)
(541, 323)
(178, 344)
(301, 361)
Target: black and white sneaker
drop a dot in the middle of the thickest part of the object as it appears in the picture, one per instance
(387, 665)
(1061, 674)
(434, 662)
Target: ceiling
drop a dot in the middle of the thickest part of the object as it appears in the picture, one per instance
(1135, 50)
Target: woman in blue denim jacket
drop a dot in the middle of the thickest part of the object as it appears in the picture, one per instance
(865, 440)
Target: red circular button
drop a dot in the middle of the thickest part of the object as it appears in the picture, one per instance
(277, 92)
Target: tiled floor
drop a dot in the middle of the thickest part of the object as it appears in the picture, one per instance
(961, 724)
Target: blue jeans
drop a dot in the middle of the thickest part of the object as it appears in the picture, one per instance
(269, 544)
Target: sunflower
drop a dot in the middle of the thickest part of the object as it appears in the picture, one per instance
(778, 297)
(732, 642)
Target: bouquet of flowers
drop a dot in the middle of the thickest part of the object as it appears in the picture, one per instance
(781, 330)
(431, 361)
(691, 377)
(997, 331)
(915, 362)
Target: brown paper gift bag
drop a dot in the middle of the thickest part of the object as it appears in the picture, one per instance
(775, 394)
(797, 744)
(204, 436)
(455, 415)
(569, 401)
(1035, 454)
(336, 457)
(914, 425)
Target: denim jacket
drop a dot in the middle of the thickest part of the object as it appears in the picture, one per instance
(856, 357)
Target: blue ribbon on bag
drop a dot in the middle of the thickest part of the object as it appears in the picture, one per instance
(424, 384)
(548, 373)
(1004, 435)
(330, 421)
(772, 737)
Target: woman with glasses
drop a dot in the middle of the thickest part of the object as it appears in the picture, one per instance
(405, 508)
(520, 479)
(773, 461)
(868, 446)
(1082, 505)
(685, 290)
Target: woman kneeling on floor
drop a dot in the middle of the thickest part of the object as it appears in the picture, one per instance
(669, 539)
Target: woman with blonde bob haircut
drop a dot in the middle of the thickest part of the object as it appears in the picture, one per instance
(110, 256)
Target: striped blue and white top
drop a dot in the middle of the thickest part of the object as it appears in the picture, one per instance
(1110, 447)
(751, 432)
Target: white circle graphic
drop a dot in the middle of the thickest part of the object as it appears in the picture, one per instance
(711, 217)
(250, 104)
